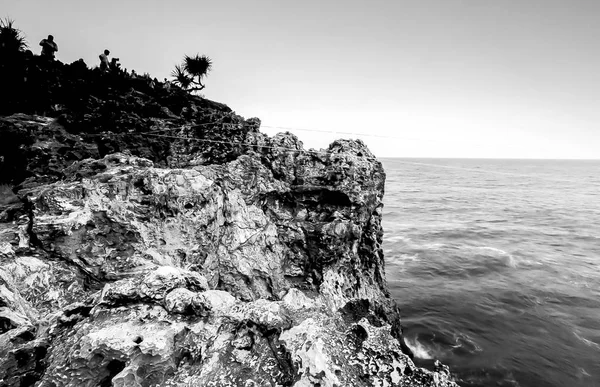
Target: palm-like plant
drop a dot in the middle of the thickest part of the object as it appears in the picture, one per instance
(181, 78)
(191, 72)
(11, 38)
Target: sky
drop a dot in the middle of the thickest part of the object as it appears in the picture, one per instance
(419, 78)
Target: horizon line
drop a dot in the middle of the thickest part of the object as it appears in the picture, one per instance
(484, 158)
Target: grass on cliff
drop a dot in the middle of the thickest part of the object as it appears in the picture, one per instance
(7, 196)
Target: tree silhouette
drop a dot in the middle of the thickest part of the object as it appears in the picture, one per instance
(12, 40)
(181, 78)
(189, 74)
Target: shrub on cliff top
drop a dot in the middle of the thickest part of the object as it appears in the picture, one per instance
(189, 74)
(12, 40)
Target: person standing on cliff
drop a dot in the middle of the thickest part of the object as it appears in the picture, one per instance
(49, 47)
(115, 66)
(104, 61)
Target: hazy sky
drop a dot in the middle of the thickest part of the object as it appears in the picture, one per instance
(433, 78)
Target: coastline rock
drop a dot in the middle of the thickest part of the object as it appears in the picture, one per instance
(158, 238)
(211, 275)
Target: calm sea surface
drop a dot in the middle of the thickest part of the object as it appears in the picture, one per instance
(496, 267)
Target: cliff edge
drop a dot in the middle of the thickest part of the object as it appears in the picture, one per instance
(151, 237)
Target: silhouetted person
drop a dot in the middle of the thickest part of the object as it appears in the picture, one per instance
(49, 47)
(115, 66)
(104, 61)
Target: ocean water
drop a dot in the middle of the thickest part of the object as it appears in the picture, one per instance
(496, 267)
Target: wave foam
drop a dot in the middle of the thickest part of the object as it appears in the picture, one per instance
(419, 350)
(463, 341)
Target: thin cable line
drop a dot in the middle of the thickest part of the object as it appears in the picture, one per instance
(192, 126)
(253, 145)
(314, 130)
(351, 133)
(439, 141)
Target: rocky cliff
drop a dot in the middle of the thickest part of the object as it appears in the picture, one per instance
(149, 237)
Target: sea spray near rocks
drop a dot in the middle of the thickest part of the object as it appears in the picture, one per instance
(213, 255)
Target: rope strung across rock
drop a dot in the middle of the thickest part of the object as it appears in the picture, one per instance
(311, 130)
(281, 148)
(351, 133)
(204, 124)
(280, 127)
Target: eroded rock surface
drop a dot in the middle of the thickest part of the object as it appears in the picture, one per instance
(254, 263)
(237, 274)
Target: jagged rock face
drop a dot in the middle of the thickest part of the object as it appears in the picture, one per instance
(36, 150)
(127, 216)
(160, 239)
(264, 270)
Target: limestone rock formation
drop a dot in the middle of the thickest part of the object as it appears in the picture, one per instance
(130, 274)
(159, 239)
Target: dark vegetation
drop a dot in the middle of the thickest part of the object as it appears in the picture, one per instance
(91, 113)
(11, 38)
(38, 85)
(189, 74)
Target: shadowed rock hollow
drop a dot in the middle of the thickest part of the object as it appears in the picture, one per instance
(158, 238)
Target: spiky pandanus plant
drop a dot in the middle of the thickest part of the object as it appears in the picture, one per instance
(12, 40)
(190, 73)
(181, 78)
